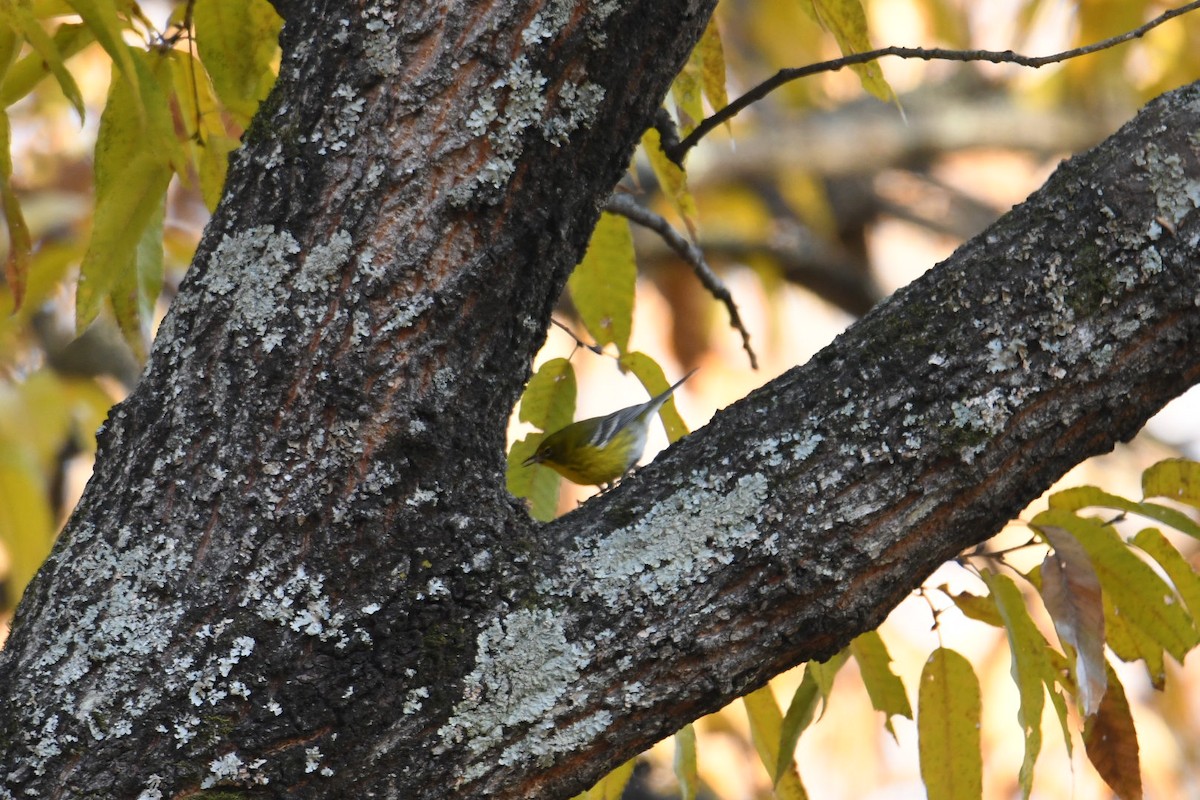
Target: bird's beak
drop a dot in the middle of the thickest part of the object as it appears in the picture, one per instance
(533, 459)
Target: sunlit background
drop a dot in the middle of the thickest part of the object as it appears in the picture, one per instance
(813, 205)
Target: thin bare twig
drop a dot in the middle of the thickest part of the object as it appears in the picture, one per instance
(595, 348)
(760, 91)
(627, 207)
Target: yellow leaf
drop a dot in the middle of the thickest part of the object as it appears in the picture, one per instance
(672, 179)
(712, 66)
(23, 76)
(766, 729)
(22, 19)
(20, 244)
(651, 375)
(135, 157)
(1177, 478)
(612, 785)
(685, 762)
(26, 525)
(847, 21)
(602, 285)
(948, 711)
(101, 18)
(549, 398)
(238, 42)
(136, 290)
(883, 686)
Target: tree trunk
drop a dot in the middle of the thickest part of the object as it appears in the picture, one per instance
(296, 570)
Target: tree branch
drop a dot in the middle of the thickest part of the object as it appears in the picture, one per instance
(678, 152)
(692, 255)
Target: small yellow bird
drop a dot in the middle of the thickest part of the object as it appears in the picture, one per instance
(600, 450)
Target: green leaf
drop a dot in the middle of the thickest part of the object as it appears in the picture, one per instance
(1176, 478)
(21, 18)
(651, 375)
(948, 713)
(1031, 668)
(1110, 740)
(671, 179)
(799, 716)
(535, 483)
(238, 41)
(847, 21)
(685, 762)
(549, 398)
(884, 687)
(1138, 595)
(133, 167)
(28, 72)
(1178, 569)
(602, 285)
(1091, 497)
(1072, 593)
(766, 725)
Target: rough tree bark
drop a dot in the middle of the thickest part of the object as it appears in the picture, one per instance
(296, 571)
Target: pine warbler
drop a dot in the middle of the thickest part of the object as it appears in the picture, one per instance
(600, 450)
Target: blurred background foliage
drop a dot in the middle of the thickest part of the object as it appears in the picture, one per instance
(811, 206)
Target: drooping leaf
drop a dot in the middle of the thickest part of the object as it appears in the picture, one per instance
(238, 42)
(1177, 478)
(209, 142)
(671, 179)
(135, 158)
(28, 72)
(1089, 496)
(1110, 740)
(602, 285)
(800, 713)
(21, 18)
(105, 24)
(685, 762)
(135, 291)
(712, 66)
(1137, 593)
(1072, 594)
(884, 687)
(948, 713)
(1031, 668)
(1182, 574)
(766, 727)
(651, 375)
(847, 21)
